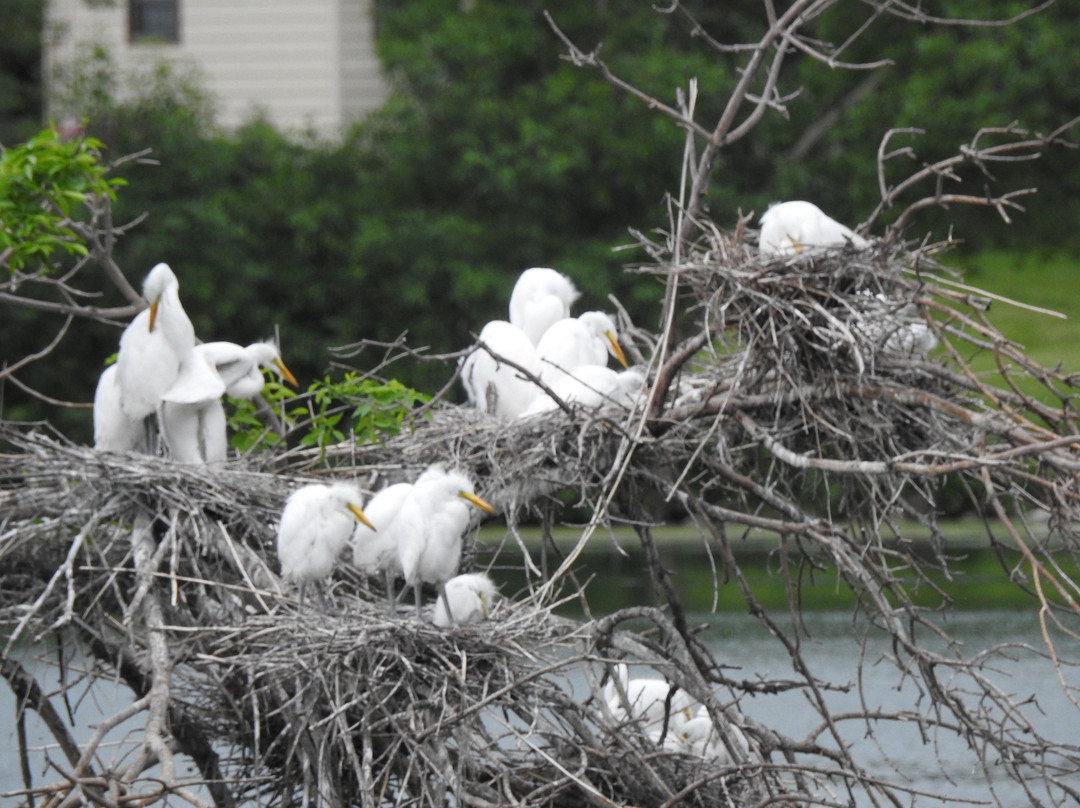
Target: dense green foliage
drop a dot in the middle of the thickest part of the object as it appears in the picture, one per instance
(494, 154)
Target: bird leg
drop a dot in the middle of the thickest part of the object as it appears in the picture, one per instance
(446, 602)
(419, 585)
(390, 592)
(300, 605)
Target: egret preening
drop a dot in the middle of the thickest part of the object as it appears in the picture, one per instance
(433, 554)
(316, 524)
(793, 227)
(153, 345)
(494, 386)
(577, 341)
(192, 415)
(393, 514)
(541, 297)
(592, 387)
(470, 598)
(661, 708)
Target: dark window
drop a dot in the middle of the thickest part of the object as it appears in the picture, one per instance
(154, 20)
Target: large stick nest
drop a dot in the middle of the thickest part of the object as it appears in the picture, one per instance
(788, 396)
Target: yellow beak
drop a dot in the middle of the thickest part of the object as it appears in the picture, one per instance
(284, 371)
(616, 349)
(476, 501)
(153, 313)
(359, 514)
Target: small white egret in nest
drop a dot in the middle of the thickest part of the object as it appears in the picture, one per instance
(316, 524)
(699, 737)
(192, 415)
(470, 598)
(592, 387)
(493, 386)
(794, 227)
(577, 341)
(393, 514)
(540, 298)
(661, 708)
(432, 555)
(152, 348)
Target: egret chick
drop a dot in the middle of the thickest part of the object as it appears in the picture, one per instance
(433, 554)
(316, 524)
(577, 341)
(662, 708)
(592, 387)
(699, 737)
(792, 227)
(393, 514)
(470, 598)
(494, 386)
(540, 298)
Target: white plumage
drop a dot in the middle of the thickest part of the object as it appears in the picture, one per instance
(540, 298)
(661, 708)
(114, 429)
(577, 341)
(432, 555)
(470, 597)
(315, 526)
(493, 386)
(794, 227)
(393, 514)
(592, 387)
(153, 345)
(699, 737)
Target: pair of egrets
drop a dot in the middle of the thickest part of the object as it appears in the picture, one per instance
(408, 530)
(542, 341)
(162, 376)
(664, 713)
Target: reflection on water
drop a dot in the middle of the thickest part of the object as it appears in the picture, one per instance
(898, 752)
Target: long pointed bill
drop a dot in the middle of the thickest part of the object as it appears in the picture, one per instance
(476, 501)
(359, 514)
(616, 349)
(284, 371)
(153, 313)
(483, 604)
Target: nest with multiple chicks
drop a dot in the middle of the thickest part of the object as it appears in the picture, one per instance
(791, 396)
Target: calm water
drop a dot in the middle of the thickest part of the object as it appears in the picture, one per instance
(738, 641)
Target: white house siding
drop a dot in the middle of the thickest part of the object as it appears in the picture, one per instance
(304, 65)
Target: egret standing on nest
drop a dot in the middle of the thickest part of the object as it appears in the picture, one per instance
(316, 524)
(470, 598)
(192, 415)
(432, 555)
(540, 298)
(393, 514)
(152, 348)
(577, 341)
(788, 228)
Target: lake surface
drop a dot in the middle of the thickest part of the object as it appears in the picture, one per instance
(831, 650)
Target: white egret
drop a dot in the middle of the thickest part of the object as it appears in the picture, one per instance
(793, 227)
(114, 429)
(662, 708)
(576, 341)
(540, 298)
(592, 387)
(393, 514)
(494, 386)
(153, 345)
(470, 598)
(316, 524)
(432, 555)
(193, 417)
(700, 737)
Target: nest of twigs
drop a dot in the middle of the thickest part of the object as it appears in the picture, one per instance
(793, 396)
